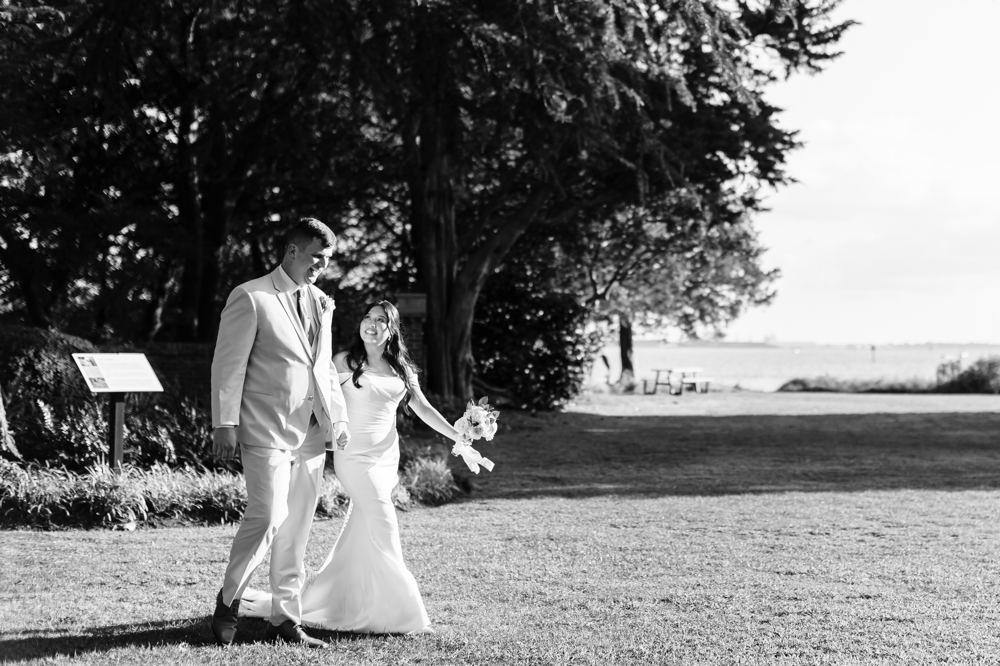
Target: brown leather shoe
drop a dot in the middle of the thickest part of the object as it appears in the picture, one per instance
(224, 621)
(289, 632)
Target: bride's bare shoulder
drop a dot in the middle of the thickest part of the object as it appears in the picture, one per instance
(340, 362)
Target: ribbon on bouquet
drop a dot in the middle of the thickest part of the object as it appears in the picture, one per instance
(471, 457)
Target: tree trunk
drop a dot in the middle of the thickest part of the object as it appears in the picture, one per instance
(153, 319)
(6, 439)
(627, 379)
(432, 201)
(189, 209)
(217, 214)
(430, 140)
(22, 263)
(434, 233)
(38, 315)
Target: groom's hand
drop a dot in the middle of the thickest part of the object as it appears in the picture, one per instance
(224, 440)
(341, 434)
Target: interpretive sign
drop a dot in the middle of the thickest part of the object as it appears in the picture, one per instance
(116, 375)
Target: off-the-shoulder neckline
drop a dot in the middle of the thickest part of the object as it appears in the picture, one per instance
(369, 374)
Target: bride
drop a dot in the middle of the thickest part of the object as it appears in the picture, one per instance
(364, 584)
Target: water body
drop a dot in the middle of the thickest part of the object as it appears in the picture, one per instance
(765, 368)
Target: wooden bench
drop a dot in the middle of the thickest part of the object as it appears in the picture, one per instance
(699, 384)
(675, 386)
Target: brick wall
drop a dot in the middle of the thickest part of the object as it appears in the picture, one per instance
(413, 333)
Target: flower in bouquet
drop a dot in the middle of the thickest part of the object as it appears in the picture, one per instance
(478, 422)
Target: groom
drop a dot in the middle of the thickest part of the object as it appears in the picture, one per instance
(274, 397)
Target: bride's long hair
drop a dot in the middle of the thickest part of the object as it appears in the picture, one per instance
(395, 353)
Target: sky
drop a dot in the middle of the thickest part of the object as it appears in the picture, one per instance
(892, 234)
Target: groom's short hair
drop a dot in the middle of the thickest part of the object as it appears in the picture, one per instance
(309, 229)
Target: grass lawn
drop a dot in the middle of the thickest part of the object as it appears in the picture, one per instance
(707, 529)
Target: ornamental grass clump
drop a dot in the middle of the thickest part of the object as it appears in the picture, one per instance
(194, 495)
(38, 498)
(45, 497)
(103, 497)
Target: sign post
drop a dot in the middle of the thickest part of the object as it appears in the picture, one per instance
(116, 428)
(116, 375)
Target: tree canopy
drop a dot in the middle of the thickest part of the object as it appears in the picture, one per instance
(153, 152)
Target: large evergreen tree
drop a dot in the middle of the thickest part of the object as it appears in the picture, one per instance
(513, 114)
(149, 146)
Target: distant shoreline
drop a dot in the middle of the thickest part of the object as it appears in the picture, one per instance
(722, 344)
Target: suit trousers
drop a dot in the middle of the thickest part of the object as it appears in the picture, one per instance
(282, 490)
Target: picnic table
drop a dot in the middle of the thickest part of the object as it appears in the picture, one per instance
(675, 379)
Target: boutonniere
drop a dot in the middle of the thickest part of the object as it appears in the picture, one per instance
(325, 304)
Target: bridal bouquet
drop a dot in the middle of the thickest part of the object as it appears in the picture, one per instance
(478, 422)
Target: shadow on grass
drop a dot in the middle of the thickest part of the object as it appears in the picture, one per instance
(586, 455)
(194, 632)
(55, 642)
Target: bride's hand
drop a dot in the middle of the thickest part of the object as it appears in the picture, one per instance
(342, 434)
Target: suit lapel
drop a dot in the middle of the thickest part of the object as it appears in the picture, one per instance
(287, 302)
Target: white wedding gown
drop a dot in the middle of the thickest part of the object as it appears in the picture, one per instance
(364, 584)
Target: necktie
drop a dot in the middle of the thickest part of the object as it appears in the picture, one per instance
(302, 315)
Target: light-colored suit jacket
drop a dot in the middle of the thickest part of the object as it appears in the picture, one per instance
(267, 379)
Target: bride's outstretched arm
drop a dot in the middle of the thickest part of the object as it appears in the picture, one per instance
(432, 417)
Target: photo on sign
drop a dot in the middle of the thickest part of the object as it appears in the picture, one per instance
(98, 382)
(87, 362)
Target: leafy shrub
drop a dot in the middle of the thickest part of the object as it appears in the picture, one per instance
(149, 437)
(71, 436)
(425, 445)
(400, 497)
(36, 364)
(333, 499)
(828, 384)
(532, 342)
(983, 376)
(191, 433)
(173, 430)
(948, 370)
(54, 419)
(160, 432)
(429, 481)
